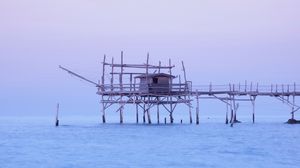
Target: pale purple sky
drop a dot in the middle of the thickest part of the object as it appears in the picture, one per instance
(219, 41)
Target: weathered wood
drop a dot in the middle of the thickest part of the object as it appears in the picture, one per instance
(121, 75)
(56, 118)
(157, 109)
(226, 120)
(197, 109)
(189, 97)
(112, 76)
(103, 110)
(129, 93)
(121, 110)
(137, 113)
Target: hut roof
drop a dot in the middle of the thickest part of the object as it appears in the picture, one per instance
(155, 75)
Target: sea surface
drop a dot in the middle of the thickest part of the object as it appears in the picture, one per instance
(36, 142)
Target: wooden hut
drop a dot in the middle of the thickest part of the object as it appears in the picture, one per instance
(155, 83)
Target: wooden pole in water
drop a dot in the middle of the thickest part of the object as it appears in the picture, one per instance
(103, 72)
(170, 89)
(197, 108)
(253, 109)
(233, 118)
(293, 107)
(226, 120)
(137, 113)
(148, 111)
(144, 108)
(189, 97)
(230, 97)
(121, 110)
(112, 75)
(171, 110)
(121, 89)
(158, 110)
(56, 118)
(121, 74)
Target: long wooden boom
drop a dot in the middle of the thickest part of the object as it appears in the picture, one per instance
(79, 76)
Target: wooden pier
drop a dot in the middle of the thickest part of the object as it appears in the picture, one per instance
(148, 86)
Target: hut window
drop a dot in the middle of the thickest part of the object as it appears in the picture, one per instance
(155, 80)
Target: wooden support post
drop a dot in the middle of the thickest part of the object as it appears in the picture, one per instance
(233, 117)
(189, 96)
(121, 74)
(121, 110)
(148, 110)
(103, 72)
(197, 108)
(112, 75)
(226, 120)
(171, 110)
(231, 102)
(137, 113)
(159, 67)
(158, 99)
(253, 108)
(56, 118)
(131, 82)
(144, 111)
(103, 89)
(293, 107)
(121, 89)
(103, 110)
(170, 97)
(165, 120)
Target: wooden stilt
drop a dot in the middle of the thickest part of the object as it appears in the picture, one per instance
(112, 75)
(137, 113)
(226, 120)
(102, 83)
(56, 118)
(197, 108)
(253, 109)
(148, 111)
(293, 107)
(170, 97)
(144, 111)
(189, 97)
(231, 105)
(157, 110)
(121, 111)
(165, 120)
(121, 88)
(103, 111)
(233, 113)
(171, 110)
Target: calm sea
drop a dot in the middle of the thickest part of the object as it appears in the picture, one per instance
(35, 142)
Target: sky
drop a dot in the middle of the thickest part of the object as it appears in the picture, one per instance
(219, 41)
